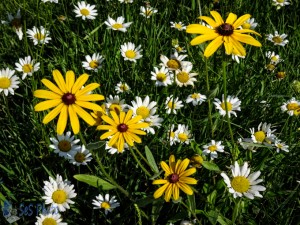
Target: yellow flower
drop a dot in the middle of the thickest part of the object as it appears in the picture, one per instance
(123, 128)
(176, 177)
(223, 32)
(68, 99)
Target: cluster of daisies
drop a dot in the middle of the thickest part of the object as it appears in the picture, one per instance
(59, 195)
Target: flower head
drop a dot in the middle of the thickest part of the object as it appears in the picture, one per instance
(263, 135)
(232, 102)
(175, 62)
(8, 81)
(280, 3)
(183, 134)
(114, 103)
(221, 32)
(275, 59)
(290, 106)
(147, 11)
(130, 52)
(196, 99)
(212, 149)
(179, 26)
(162, 76)
(106, 203)
(153, 121)
(68, 99)
(85, 11)
(93, 63)
(281, 146)
(176, 178)
(122, 87)
(249, 24)
(243, 184)
(15, 22)
(27, 66)
(173, 104)
(144, 108)
(80, 156)
(117, 24)
(278, 39)
(49, 219)
(39, 36)
(184, 77)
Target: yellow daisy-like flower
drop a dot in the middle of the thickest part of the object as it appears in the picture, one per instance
(122, 129)
(223, 32)
(176, 178)
(68, 99)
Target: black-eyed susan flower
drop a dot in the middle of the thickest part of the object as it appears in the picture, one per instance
(176, 178)
(243, 183)
(106, 203)
(68, 99)
(221, 32)
(122, 128)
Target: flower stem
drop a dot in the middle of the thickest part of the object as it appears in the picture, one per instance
(138, 162)
(208, 99)
(141, 155)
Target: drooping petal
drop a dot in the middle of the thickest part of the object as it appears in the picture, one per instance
(89, 105)
(203, 38)
(159, 192)
(84, 115)
(79, 83)
(246, 39)
(87, 89)
(231, 18)
(136, 138)
(59, 79)
(62, 120)
(217, 17)
(70, 79)
(46, 94)
(213, 46)
(52, 86)
(209, 20)
(237, 46)
(128, 139)
(175, 192)
(52, 114)
(168, 193)
(74, 120)
(120, 144)
(242, 31)
(185, 188)
(241, 20)
(228, 46)
(91, 97)
(47, 104)
(198, 29)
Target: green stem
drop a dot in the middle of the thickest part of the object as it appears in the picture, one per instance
(138, 162)
(194, 215)
(208, 99)
(141, 155)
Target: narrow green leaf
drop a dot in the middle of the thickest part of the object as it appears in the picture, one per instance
(210, 166)
(212, 216)
(94, 181)
(191, 203)
(151, 160)
(95, 145)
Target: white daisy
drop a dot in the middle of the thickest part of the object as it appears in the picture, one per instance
(183, 134)
(39, 36)
(117, 25)
(114, 103)
(106, 203)
(147, 11)
(175, 62)
(162, 76)
(179, 49)
(212, 149)
(249, 24)
(275, 59)
(144, 108)
(184, 77)
(232, 102)
(8, 81)
(237, 57)
(172, 105)
(126, 1)
(122, 87)
(196, 99)
(179, 26)
(80, 156)
(281, 146)
(93, 63)
(172, 135)
(263, 135)
(58, 193)
(130, 52)
(27, 66)
(114, 149)
(49, 218)
(64, 144)
(53, 1)
(280, 3)
(85, 11)
(290, 106)
(278, 39)
(15, 22)
(243, 184)
(153, 121)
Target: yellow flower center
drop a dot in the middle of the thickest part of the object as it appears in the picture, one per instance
(64, 146)
(27, 68)
(195, 96)
(229, 106)
(39, 36)
(105, 205)
(280, 1)
(79, 157)
(172, 134)
(49, 221)
(178, 26)
(270, 67)
(94, 64)
(161, 77)
(173, 64)
(280, 75)
(117, 26)
(240, 184)
(143, 111)
(183, 77)
(260, 136)
(59, 196)
(171, 105)
(297, 112)
(130, 54)
(274, 59)
(5, 82)
(246, 25)
(148, 12)
(292, 106)
(277, 39)
(279, 146)
(123, 87)
(178, 49)
(212, 148)
(85, 12)
(115, 107)
(182, 137)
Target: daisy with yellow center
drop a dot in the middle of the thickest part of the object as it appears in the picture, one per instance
(122, 87)
(221, 32)
(213, 148)
(291, 106)
(114, 103)
(233, 104)
(27, 66)
(280, 3)
(49, 219)
(106, 203)
(175, 62)
(123, 128)
(58, 193)
(93, 63)
(275, 59)
(147, 11)
(130, 52)
(117, 24)
(281, 146)
(183, 134)
(68, 99)
(176, 178)
(162, 76)
(249, 24)
(263, 135)
(184, 77)
(243, 183)
(172, 105)
(196, 99)
(8, 81)
(278, 39)
(143, 108)
(39, 36)
(15, 22)
(80, 156)
(179, 26)
(172, 135)
(85, 11)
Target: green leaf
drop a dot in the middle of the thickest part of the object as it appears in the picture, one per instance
(210, 166)
(94, 181)
(151, 160)
(191, 203)
(95, 145)
(223, 220)
(212, 216)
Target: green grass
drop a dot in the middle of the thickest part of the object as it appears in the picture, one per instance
(26, 160)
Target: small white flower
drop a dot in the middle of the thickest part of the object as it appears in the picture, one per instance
(106, 203)
(39, 36)
(247, 144)
(183, 134)
(153, 121)
(27, 66)
(130, 52)
(196, 99)
(179, 49)
(278, 39)
(114, 149)
(232, 102)
(49, 218)
(126, 1)
(179, 26)
(52, 1)
(280, 3)
(281, 146)
(162, 76)
(8, 81)
(117, 25)
(212, 149)
(147, 11)
(122, 87)
(249, 24)
(263, 135)
(144, 108)
(80, 156)
(15, 22)
(172, 105)
(290, 106)
(114, 103)
(275, 59)
(85, 11)
(175, 62)
(93, 63)
(184, 77)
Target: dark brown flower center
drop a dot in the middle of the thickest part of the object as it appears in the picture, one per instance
(225, 29)
(68, 98)
(173, 178)
(122, 127)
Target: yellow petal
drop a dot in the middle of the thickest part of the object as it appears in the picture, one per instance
(115, 117)
(122, 117)
(185, 188)
(228, 46)
(159, 192)
(62, 120)
(213, 46)
(89, 105)
(188, 180)
(128, 116)
(246, 39)
(47, 104)
(114, 139)
(74, 120)
(108, 120)
(242, 31)
(202, 38)
(168, 193)
(217, 17)
(107, 134)
(121, 142)
(136, 138)
(177, 165)
(238, 47)
(183, 165)
(231, 18)
(91, 97)
(188, 172)
(198, 29)
(79, 83)
(106, 127)
(135, 131)
(172, 163)
(52, 86)
(165, 167)
(241, 20)
(134, 120)
(52, 114)
(70, 79)
(84, 115)
(46, 94)
(175, 192)
(128, 139)
(160, 181)
(87, 89)
(59, 80)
